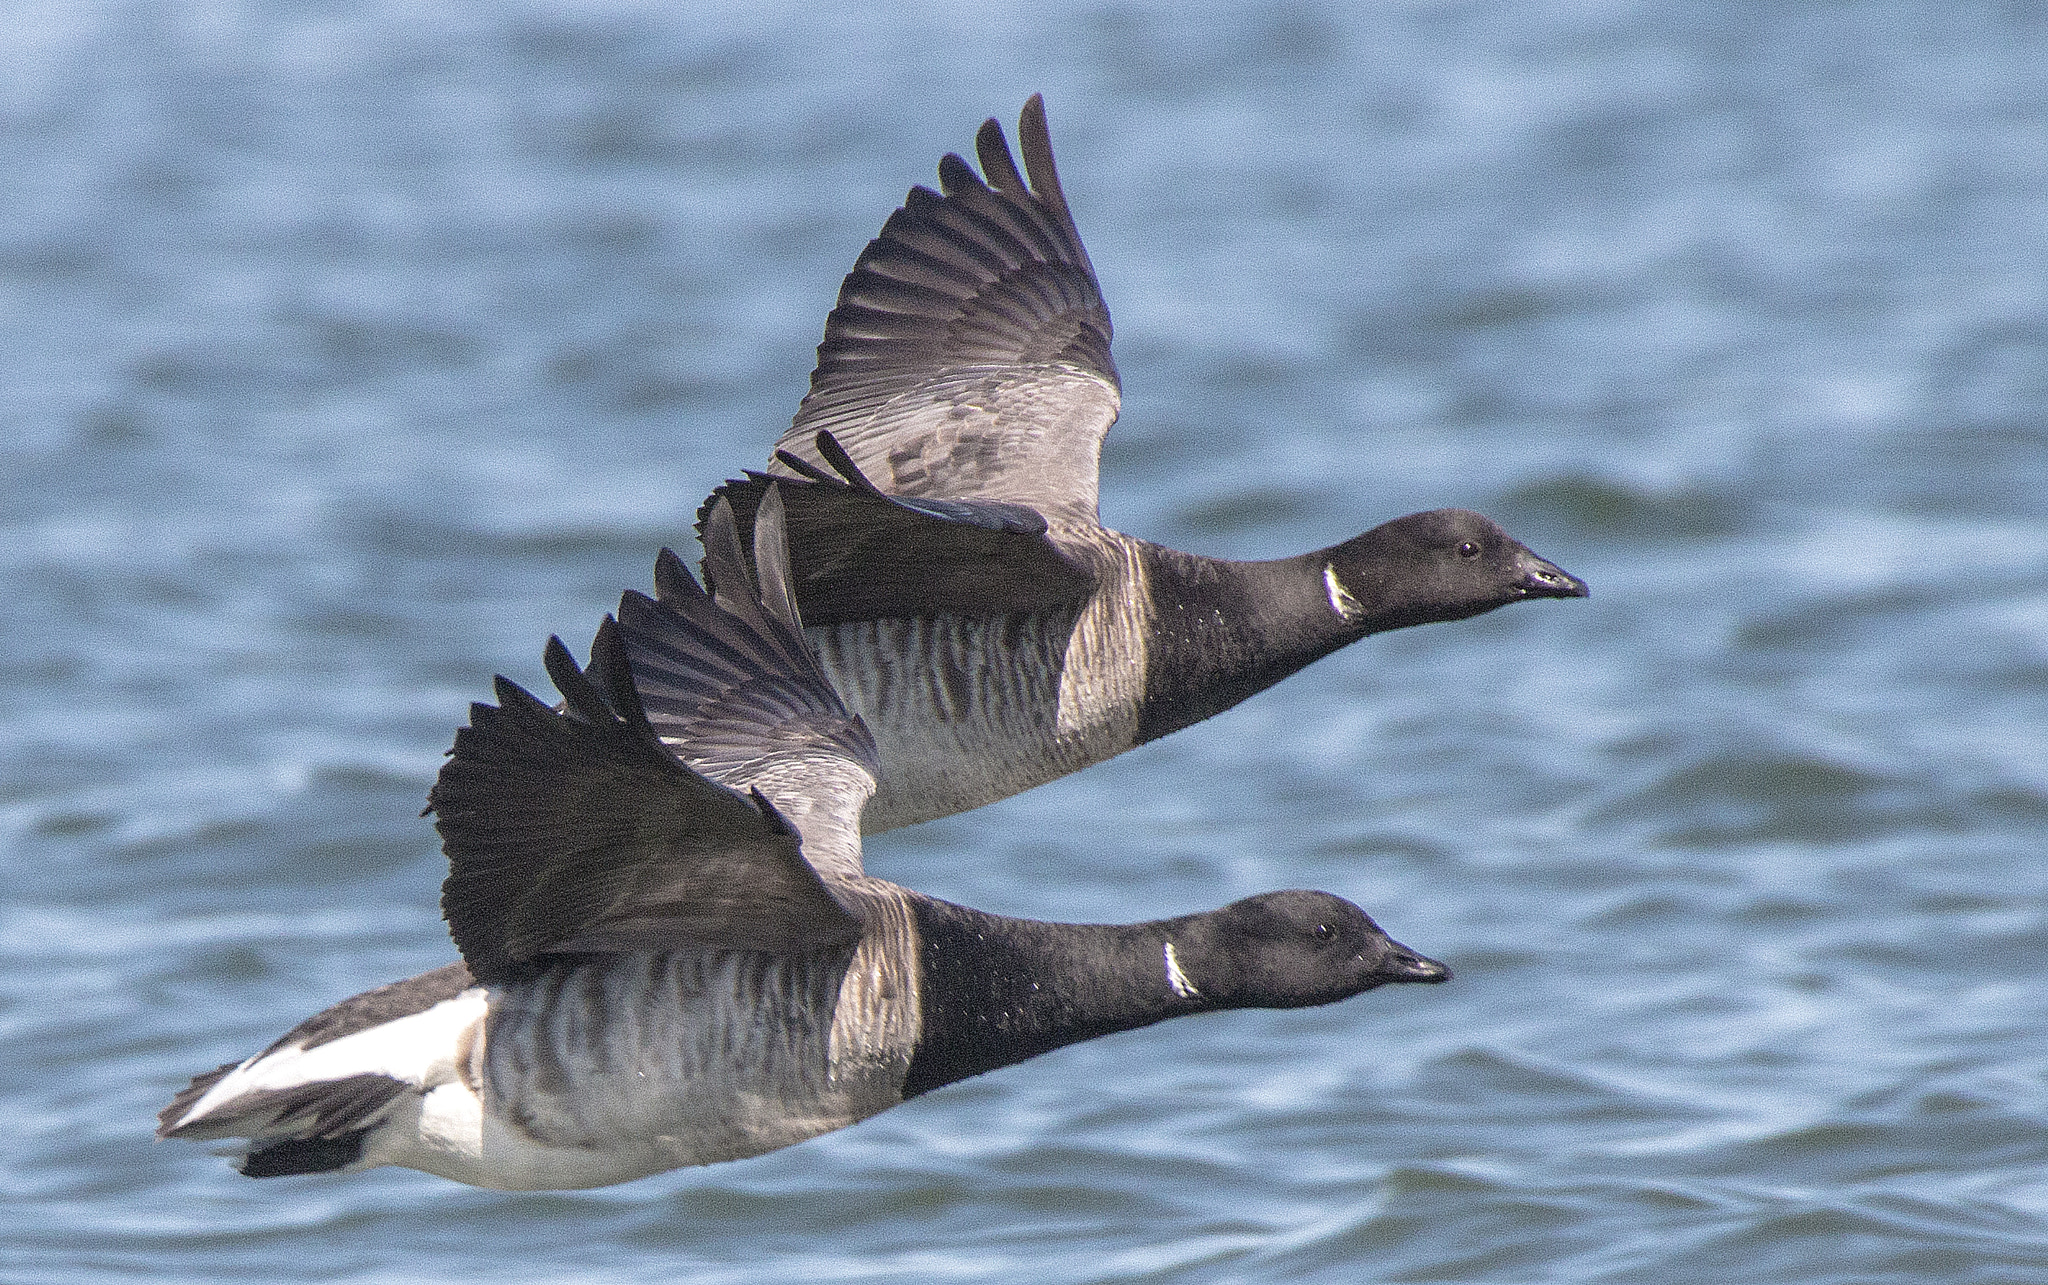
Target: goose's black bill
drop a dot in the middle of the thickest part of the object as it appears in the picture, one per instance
(1542, 578)
(1403, 964)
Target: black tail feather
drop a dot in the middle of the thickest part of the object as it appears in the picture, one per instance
(304, 1155)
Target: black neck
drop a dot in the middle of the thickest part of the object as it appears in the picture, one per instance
(995, 991)
(1223, 631)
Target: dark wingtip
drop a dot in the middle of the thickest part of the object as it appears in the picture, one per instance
(993, 151)
(1035, 137)
(672, 580)
(956, 176)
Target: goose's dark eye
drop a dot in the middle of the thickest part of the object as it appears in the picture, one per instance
(1324, 932)
(1467, 549)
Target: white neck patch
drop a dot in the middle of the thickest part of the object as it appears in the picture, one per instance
(1341, 600)
(1176, 978)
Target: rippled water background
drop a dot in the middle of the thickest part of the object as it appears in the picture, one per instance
(349, 354)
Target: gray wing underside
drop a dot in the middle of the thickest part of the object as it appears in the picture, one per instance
(969, 354)
(578, 829)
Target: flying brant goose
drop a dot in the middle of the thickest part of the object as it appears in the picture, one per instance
(670, 953)
(940, 478)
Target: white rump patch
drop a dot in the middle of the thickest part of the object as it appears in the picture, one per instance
(419, 1049)
(1176, 978)
(1341, 600)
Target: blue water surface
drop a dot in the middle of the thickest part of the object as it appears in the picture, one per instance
(350, 351)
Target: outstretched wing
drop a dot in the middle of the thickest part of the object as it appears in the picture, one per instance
(577, 829)
(729, 685)
(968, 356)
(858, 554)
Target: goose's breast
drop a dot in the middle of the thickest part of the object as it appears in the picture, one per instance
(968, 710)
(656, 1061)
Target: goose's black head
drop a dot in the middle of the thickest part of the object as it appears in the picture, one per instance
(1294, 949)
(1445, 564)
(994, 991)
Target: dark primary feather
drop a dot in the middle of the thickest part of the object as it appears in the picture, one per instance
(969, 353)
